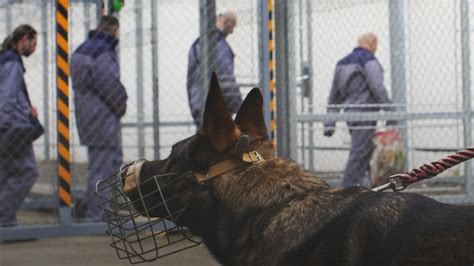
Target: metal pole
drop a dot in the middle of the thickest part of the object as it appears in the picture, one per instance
(9, 17)
(302, 88)
(466, 88)
(139, 73)
(281, 78)
(99, 9)
(207, 44)
(87, 16)
(284, 81)
(397, 58)
(63, 112)
(155, 71)
(309, 80)
(291, 82)
(264, 73)
(44, 40)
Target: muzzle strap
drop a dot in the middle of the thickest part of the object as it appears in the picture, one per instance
(131, 177)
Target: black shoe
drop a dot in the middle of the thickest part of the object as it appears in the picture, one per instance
(8, 224)
(13, 241)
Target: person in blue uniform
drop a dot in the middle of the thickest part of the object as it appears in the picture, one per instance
(100, 102)
(18, 167)
(358, 79)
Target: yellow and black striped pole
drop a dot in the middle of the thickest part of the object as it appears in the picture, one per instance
(267, 66)
(271, 67)
(62, 86)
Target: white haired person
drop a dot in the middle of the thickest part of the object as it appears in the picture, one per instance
(358, 79)
(224, 67)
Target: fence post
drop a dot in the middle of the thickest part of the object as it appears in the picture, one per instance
(87, 17)
(155, 87)
(63, 132)
(466, 88)
(397, 60)
(207, 44)
(309, 80)
(8, 23)
(140, 94)
(285, 82)
(45, 40)
(99, 9)
(155, 71)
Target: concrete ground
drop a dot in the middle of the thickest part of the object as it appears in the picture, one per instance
(87, 250)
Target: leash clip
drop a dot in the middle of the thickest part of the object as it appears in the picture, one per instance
(394, 183)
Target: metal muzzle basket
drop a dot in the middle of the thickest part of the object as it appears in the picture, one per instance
(135, 235)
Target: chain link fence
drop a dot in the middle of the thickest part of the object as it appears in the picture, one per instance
(155, 38)
(423, 47)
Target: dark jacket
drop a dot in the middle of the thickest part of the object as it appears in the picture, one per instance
(225, 73)
(358, 79)
(18, 128)
(99, 96)
(15, 109)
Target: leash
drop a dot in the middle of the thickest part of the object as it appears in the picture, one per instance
(399, 182)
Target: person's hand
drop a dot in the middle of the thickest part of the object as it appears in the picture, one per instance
(391, 123)
(34, 111)
(122, 111)
(328, 132)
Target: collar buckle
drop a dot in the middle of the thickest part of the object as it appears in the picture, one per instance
(252, 157)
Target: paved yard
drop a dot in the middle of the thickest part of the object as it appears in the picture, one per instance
(87, 251)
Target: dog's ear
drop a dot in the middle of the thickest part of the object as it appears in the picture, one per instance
(250, 116)
(217, 125)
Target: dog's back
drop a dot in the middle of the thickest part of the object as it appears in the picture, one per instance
(298, 220)
(389, 229)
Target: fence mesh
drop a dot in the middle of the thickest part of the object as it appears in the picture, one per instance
(420, 46)
(152, 60)
(420, 49)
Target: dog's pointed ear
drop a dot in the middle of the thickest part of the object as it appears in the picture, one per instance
(250, 116)
(218, 125)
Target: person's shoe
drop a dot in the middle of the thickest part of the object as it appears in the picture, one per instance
(13, 241)
(8, 224)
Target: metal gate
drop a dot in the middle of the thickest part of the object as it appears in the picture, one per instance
(424, 47)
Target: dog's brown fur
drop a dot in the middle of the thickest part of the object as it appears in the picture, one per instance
(277, 213)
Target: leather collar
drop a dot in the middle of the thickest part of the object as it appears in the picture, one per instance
(252, 157)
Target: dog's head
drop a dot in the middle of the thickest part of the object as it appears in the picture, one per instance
(170, 186)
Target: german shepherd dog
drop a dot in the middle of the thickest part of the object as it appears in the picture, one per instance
(250, 210)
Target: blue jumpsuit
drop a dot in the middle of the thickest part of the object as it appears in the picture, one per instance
(225, 72)
(100, 101)
(18, 168)
(358, 79)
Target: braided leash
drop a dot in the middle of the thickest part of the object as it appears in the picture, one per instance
(401, 181)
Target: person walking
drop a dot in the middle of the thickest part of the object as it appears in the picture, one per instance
(226, 21)
(358, 79)
(19, 125)
(100, 102)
